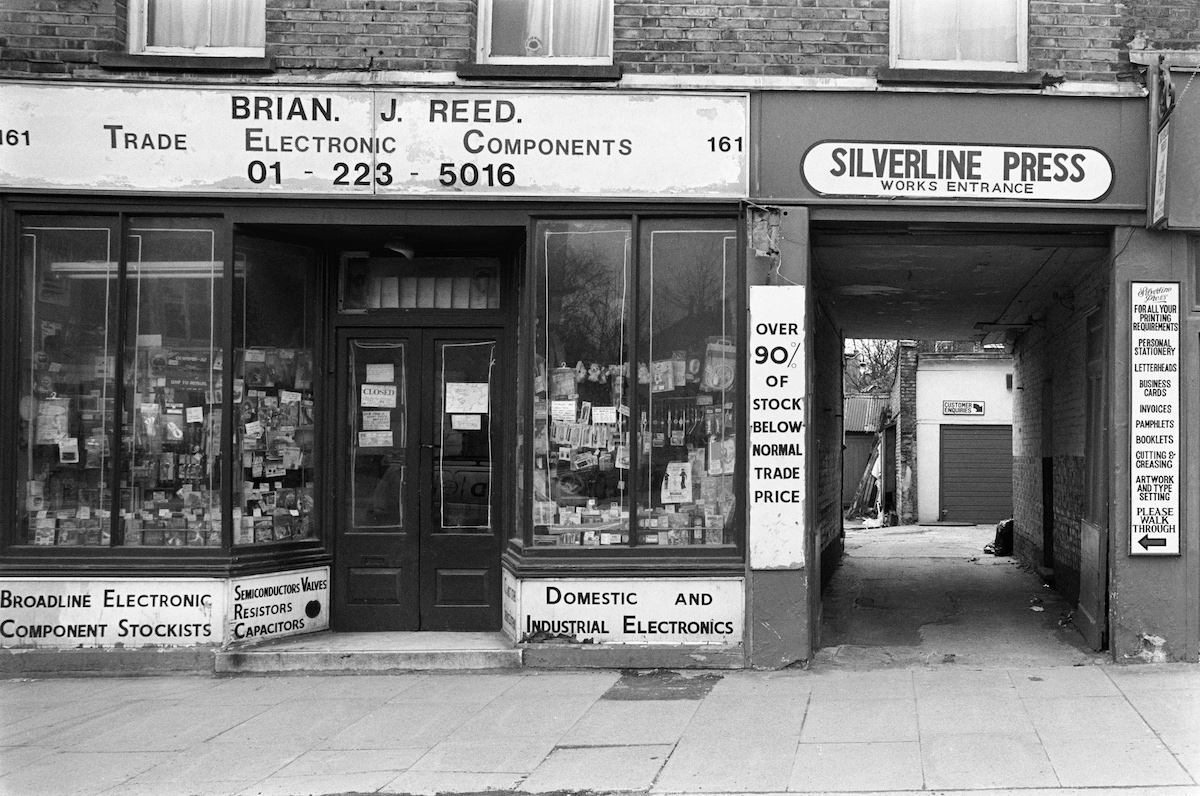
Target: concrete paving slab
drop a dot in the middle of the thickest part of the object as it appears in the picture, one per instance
(434, 782)
(1186, 748)
(155, 727)
(57, 717)
(319, 785)
(986, 761)
(1115, 762)
(16, 757)
(400, 725)
(860, 721)
(541, 684)
(217, 762)
(726, 763)
(631, 723)
(35, 692)
(857, 767)
(357, 686)
(268, 690)
(1172, 677)
(322, 762)
(1084, 717)
(520, 719)
(609, 768)
(458, 687)
(300, 723)
(136, 787)
(1064, 681)
(486, 755)
(776, 685)
(955, 679)
(1000, 712)
(897, 684)
(77, 773)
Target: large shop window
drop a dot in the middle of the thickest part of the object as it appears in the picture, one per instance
(546, 31)
(122, 358)
(197, 27)
(959, 34)
(634, 431)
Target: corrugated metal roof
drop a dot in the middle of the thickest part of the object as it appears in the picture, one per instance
(862, 412)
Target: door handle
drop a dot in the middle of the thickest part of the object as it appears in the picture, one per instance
(430, 447)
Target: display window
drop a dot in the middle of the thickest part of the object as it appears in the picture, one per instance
(124, 413)
(633, 432)
(273, 392)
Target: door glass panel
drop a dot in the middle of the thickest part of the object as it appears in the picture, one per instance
(401, 283)
(378, 433)
(463, 453)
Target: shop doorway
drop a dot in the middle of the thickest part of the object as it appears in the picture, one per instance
(417, 526)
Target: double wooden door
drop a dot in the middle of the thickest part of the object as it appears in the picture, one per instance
(417, 542)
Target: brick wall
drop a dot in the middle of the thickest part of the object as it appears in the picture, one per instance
(1072, 40)
(1056, 352)
(827, 419)
(906, 433)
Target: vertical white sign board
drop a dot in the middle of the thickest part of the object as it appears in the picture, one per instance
(1154, 424)
(777, 472)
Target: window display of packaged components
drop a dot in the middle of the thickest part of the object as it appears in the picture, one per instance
(170, 473)
(275, 444)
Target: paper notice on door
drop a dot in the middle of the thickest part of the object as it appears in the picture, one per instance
(466, 398)
(374, 439)
(385, 372)
(379, 395)
(195, 414)
(466, 422)
(376, 420)
(564, 411)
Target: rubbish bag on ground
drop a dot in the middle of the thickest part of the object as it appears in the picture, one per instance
(1002, 545)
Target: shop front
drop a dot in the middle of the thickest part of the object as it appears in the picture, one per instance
(280, 361)
(1017, 220)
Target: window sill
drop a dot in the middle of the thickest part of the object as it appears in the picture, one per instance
(597, 74)
(183, 63)
(961, 77)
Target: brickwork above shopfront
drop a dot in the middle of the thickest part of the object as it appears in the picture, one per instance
(1069, 41)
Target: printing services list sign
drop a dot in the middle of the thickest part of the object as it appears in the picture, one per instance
(777, 428)
(1154, 430)
(373, 142)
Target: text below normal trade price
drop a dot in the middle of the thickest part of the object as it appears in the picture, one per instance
(777, 471)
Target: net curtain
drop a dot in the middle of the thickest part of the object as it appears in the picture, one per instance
(206, 23)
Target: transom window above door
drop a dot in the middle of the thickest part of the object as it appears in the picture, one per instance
(545, 31)
(960, 34)
(230, 28)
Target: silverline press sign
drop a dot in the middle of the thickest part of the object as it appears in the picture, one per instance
(957, 171)
(373, 142)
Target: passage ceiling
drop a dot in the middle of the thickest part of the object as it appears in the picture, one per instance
(946, 283)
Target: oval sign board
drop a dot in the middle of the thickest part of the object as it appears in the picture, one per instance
(956, 171)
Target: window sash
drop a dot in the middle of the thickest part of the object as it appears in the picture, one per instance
(944, 34)
(547, 26)
(226, 21)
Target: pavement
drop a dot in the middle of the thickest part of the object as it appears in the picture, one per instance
(940, 675)
(947, 729)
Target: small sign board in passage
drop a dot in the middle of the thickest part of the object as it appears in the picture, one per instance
(963, 407)
(1155, 420)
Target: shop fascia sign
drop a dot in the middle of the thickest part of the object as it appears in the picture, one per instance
(373, 142)
(65, 613)
(915, 170)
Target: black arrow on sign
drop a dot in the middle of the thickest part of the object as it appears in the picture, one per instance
(1146, 542)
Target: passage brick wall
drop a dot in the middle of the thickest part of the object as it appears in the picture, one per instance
(1054, 352)
(906, 432)
(827, 418)
(1071, 40)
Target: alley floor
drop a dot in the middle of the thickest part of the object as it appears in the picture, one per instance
(921, 595)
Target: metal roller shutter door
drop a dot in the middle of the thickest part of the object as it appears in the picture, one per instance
(976, 473)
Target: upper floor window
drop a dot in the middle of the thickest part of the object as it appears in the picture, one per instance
(959, 34)
(198, 27)
(558, 31)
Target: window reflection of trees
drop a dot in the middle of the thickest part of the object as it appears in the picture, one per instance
(586, 273)
(690, 293)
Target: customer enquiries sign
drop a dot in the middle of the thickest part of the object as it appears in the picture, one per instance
(777, 477)
(640, 611)
(957, 171)
(250, 140)
(1154, 430)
